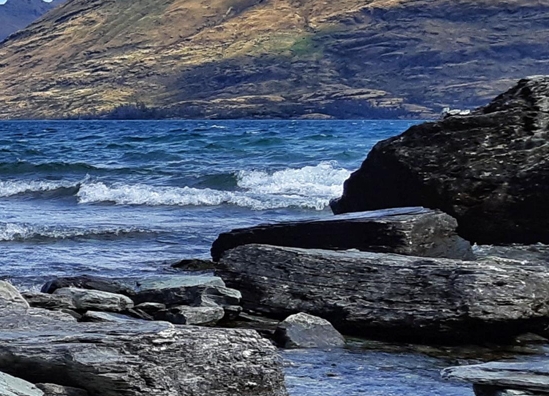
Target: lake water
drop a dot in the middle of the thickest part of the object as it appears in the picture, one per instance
(127, 198)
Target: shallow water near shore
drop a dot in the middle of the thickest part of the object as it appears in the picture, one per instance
(125, 199)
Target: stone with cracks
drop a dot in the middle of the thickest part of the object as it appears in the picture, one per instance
(412, 231)
(393, 296)
(58, 390)
(489, 170)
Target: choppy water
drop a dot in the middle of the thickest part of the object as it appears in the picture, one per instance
(127, 198)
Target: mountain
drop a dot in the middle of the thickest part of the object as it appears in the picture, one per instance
(17, 14)
(270, 58)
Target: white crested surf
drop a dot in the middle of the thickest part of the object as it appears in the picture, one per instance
(310, 187)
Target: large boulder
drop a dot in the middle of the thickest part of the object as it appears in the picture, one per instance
(489, 170)
(412, 231)
(392, 296)
(504, 378)
(134, 358)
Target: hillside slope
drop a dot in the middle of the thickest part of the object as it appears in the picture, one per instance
(17, 14)
(270, 58)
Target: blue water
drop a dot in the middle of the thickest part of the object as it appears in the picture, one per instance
(127, 198)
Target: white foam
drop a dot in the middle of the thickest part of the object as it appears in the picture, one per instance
(9, 188)
(21, 232)
(308, 187)
(324, 180)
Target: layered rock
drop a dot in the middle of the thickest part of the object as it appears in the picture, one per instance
(412, 231)
(392, 296)
(134, 358)
(489, 170)
(504, 378)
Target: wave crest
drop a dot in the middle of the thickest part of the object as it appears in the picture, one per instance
(26, 232)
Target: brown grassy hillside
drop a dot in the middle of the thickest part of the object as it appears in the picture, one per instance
(271, 58)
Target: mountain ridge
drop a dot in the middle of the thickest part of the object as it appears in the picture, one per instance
(269, 58)
(17, 14)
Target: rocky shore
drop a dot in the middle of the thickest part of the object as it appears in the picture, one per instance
(406, 274)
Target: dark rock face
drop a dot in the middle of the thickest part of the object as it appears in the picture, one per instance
(488, 170)
(411, 231)
(504, 378)
(392, 296)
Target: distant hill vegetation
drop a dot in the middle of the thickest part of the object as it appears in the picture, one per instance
(17, 14)
(270, 58)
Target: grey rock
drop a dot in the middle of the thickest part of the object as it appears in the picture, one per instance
(59, 390)
(504, 378)
(93, 316)
(208, 315)
(307, 331)
(49, 301)
(186, 290)
(136, 358)
(489, 170)
(532, 253)
(10, 297)
(411, 231)
(16, 313)
(84, 299)
(88, 282)
(392, 296)
(13, 386)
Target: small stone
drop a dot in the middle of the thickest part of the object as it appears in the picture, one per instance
(307, 331)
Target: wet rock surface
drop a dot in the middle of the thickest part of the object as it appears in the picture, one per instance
(504, 378)
(411, 231)
(392, 296)
(489, 170)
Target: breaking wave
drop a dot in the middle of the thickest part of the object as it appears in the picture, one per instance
(310, 187)
(27, 232)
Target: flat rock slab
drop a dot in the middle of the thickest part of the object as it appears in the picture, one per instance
(84, 299)
(88, 282)
(186, 290)
(411, 231)
(134, 358)
(504, 378)
(392, 296)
